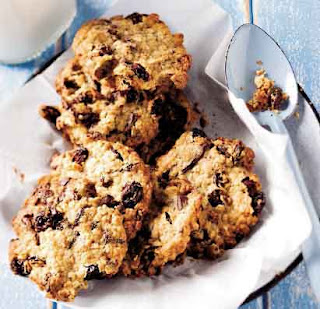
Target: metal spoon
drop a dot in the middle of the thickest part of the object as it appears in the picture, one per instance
(252, 44)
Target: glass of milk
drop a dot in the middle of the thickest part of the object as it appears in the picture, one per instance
(27, 27)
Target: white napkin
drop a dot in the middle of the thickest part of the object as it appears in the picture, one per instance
(27, 143)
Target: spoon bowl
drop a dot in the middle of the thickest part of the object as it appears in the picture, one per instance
(250, 45)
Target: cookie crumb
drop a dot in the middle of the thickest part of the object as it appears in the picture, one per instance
(259, 62)
(297, 115)
(19, 174)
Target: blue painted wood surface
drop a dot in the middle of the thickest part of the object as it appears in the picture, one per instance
(295, 25)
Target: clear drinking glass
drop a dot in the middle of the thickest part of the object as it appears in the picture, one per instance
(27, 27)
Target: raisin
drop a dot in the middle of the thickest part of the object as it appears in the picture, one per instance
(236, 156)
(18, 267)
(93, 272)
(132, 95)
(223, 150)
(197, 132)
(157, 107)
(51, 220)
(168, 218)
(88, 119)
(106, 183)
(43, 193)
(182, 200)
(97, 85)
(257, 197)
(86, 98)
(117, 153)
(132, 194)
(91, 190)
(80, 155)
(105, 50)
(164, 179)
(135, 18)
(140, 71)
(70, 84)
(219, 179)
(28, 220)
(275, 98)
(106, 69)
(50, 113)
(109, 201)
(214, 198)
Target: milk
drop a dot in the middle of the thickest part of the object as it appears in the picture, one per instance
(27, 27)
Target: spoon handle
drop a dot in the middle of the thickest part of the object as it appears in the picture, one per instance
(311, 247)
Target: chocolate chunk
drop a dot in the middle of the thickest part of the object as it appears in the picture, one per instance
(164, 179)
(88, 119)
(19, 268)
(197, 132)
(117, 153)
(135, 18)
(131, 122)
(80, 155)
(109, 201)
(64, 181)
(214, 198)
(70, 84)
(91, 190)
(140, 71)
(182, 200)
(196, 159)
(106, 69)
(50, 113)
(257, 197)
(157, 107)
(168, 218)
(128, 167)
(79, 215)
(93, 272)
(132, 194)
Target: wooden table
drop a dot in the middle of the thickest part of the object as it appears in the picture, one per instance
(295, 25)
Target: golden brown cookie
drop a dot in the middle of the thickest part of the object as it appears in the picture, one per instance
(137, 51)
(221, 170)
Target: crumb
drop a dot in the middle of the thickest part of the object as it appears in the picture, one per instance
(297, 115)
(19, 174)
(241, 88)
(259, 62)
(267, 96)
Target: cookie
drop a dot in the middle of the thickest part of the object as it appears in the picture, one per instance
(137, 51)
(221, 170)
(66, 237)
(176, 116)
(118, 177)
(166, 234)
(84, 115)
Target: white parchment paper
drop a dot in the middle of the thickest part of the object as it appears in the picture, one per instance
(27, 143)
